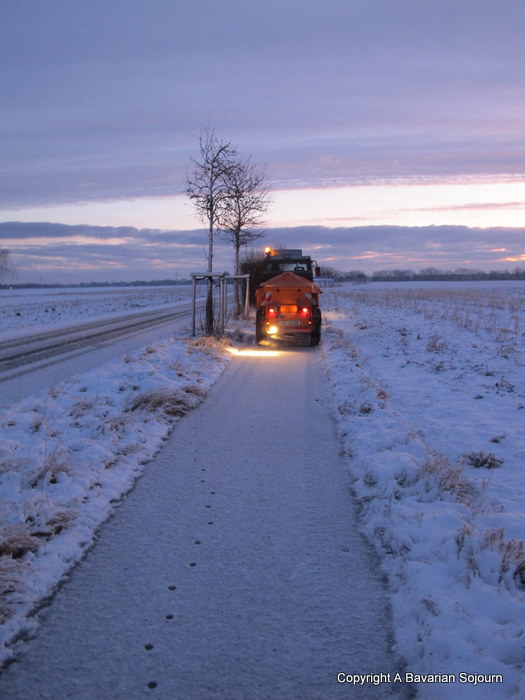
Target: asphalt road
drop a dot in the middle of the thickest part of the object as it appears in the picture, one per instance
(35, 362)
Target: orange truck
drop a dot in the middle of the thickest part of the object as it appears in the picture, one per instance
(287, 301)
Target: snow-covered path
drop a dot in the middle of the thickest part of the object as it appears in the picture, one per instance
(234, 569)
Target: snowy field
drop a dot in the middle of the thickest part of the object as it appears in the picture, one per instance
(429, 386)
(23, 310)
(429, 398)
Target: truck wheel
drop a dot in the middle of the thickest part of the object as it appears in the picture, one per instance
(260, 333)
(315, 338)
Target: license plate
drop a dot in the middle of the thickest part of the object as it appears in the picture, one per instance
(294, 322)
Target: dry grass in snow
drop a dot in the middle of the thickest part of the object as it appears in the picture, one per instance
(68, 455)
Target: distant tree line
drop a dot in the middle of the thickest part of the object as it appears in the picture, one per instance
(433, 274)
(250, 260)
(90, 285)
(427, 274)
(332, 273)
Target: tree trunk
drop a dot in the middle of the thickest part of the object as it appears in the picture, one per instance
(236, 286)
(209, 295)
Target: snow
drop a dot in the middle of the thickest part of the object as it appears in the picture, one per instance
(234, 568)
(68, 454)
(428, 399)
(430, 395)
(28, 311)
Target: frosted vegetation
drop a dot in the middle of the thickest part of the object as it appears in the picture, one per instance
(429, 389)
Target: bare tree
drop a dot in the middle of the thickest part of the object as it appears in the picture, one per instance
(243, 213)
(252, 263)
(207, 188)
(5, 264)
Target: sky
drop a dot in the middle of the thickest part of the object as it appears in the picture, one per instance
(391, 132)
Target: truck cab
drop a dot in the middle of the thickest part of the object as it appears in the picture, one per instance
(287, 260)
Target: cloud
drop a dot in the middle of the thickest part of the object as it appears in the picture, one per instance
(60, 253)
(469, 206)
(105, 105)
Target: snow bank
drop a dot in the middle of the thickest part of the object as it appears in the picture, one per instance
(429, 396)
(69, 455)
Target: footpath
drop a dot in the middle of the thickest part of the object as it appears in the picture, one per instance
(232, 570)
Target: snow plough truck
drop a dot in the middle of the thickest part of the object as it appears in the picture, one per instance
(287, 300)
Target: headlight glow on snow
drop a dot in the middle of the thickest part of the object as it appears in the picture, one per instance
(253, 353)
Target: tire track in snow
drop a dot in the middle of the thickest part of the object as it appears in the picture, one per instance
(234, 569)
